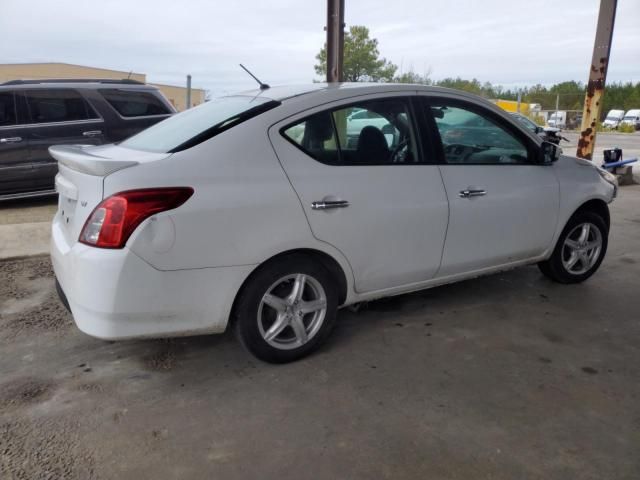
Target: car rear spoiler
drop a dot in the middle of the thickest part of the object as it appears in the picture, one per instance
(76, 157)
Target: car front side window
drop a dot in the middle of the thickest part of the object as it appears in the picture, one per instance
(471, 137)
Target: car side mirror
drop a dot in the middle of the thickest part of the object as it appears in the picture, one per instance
(549, 152)
(539, 129)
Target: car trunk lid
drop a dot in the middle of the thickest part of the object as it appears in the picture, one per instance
(80, 180)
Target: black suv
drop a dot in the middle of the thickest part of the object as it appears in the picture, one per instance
(35, 114)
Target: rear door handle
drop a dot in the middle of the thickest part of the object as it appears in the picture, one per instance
(328, 204)
(479, 192)
(11, 140)
(92, 133)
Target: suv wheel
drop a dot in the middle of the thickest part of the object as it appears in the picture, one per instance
(286, 309)
(579, 251)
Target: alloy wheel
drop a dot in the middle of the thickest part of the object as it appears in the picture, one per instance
(581, 248)
(292, 311)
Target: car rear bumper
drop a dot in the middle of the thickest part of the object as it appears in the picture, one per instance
(114, 294)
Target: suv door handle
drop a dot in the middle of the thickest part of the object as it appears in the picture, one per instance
(327, 204)
(472, 193)
(11, 140)
(92, 133)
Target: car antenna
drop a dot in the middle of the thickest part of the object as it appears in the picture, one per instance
(263, 86)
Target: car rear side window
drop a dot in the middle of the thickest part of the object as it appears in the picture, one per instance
(7, 109)
(134, 103)
(57, 105)
(374, 132)
(316, 137)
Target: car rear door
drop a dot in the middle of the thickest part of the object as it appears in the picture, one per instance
(15, 166)
(368, 189)
(503, 203)
(58, 116)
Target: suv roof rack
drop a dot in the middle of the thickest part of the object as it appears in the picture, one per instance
(73, 80)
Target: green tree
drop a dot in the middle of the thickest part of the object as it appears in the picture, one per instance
(413, 77)
(361, 61)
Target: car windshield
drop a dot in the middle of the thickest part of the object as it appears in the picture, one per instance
(195, 125)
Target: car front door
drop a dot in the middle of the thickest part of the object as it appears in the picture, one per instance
(368, 189)
(58, 117)
(503, 202)
(15, 165)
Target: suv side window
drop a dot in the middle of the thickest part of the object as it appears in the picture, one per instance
(57, 105)
(375, 132)
(7, 109)
(134, 103)
(473, 138)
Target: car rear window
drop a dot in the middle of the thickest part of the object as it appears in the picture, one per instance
(134, 103)
(57, 105)
(193, 126)
(7, 109)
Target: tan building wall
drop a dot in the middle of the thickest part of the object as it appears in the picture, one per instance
(177, 96)
(34, 71)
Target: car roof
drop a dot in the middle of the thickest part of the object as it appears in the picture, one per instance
(89, 83)
(337, 91)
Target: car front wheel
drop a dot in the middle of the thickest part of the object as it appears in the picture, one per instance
(579, 251)
(286, 309)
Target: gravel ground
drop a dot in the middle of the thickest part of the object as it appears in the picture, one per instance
(508, 376)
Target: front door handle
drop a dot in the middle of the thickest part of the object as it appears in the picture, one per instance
(472, 193)
(92, 133)
(327, 204)
(11, 140)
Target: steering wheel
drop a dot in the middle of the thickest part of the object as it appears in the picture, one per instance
(397, 154)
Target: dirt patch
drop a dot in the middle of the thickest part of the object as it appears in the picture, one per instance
(91, 387)
(164, 359)
(24, 391)
(43, 449)
(28, 300)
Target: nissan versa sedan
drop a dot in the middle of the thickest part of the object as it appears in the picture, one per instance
(266, 211)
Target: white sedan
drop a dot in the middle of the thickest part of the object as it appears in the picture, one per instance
(258, 211)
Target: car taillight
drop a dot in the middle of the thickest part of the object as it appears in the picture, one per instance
(113, 221)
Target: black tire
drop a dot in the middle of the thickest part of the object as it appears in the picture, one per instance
(555, 268)
(250, 314)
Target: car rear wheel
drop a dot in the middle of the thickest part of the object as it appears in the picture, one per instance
(579, 251)
(286, 309)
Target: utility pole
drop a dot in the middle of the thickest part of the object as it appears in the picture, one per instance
(335, 40)
(519, 100)
(597, 77)
(188, 92)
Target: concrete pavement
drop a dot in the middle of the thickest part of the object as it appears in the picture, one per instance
(24, 227)
(628, 142)
(508, 377)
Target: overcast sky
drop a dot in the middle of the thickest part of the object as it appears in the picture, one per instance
(507, 42)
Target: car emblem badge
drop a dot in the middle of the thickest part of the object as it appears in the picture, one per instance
(84, 204)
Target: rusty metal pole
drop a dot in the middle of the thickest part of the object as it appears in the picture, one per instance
(597, 77)
(335, 40)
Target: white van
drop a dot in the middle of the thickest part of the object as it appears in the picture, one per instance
(632, 117)
(558, 119)
(613, 118)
